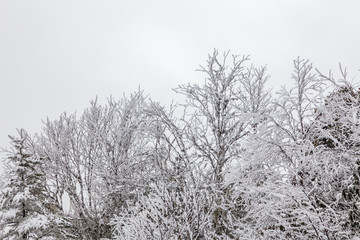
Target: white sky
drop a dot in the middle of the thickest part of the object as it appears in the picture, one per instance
(56, 56)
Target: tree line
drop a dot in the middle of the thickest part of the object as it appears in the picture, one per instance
(232, 161)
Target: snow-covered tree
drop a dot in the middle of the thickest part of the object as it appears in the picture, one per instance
(98, 160)
(305, 164)
(176, 203)
(26, 209)
(202, 145)
(228, 163)
(337, 138)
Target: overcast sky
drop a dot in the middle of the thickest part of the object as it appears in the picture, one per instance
(56, 56)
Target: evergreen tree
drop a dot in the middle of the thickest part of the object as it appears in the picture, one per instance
(26, 210)
(338, 126)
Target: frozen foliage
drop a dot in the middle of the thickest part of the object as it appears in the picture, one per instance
(231, 162)
(294, 183)
(283, 170)
(99, 160)
(218, 117)
(25, 207)
(167, 214)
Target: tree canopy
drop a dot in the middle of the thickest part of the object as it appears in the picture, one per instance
(233, 161)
